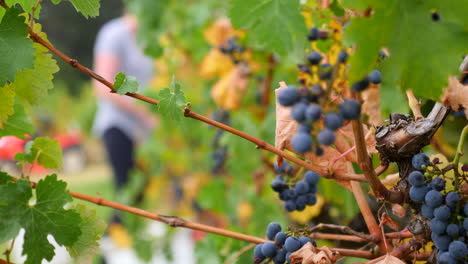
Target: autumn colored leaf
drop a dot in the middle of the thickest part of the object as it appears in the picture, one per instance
(389, 259)
(230, 89)
(215, 63)
(309, 254)
(371, 106)
(456, 95)
(220, 31)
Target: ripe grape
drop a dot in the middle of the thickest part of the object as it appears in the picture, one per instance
(438, 183)
(417, 194)
(442, 213)
(301, 200)
(438, 226)
(280, 257)
(452, 199)
(446, 258)
(326, 137)
(375, 77)
(325, 71)
(314, 57)
(360, 85)
(434, 198)
(300, 206)
(280, 238)
(288, 96)
(298, 112)
(333, 121)
(304, 240)
(452, 230)
(272, 229)
(342, 56)
(319, 151)
(458, 249)
(465, 209)
(278, 185)
(442, 242)
(416, 178)
(312, 178)
(292, 244)
(313, 34)
(311, 199)
(258, 251)
(435, 16)
(284, 168)
(427, 211)
(313, 113)
(287, 257)
(316, 89)
(465, 223)
(301, 187)
(269, 249)
(350, 109)
(304, 128)
(301, 142)
(290, 205)
(419, 160)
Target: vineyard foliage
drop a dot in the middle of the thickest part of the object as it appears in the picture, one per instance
(224, 181)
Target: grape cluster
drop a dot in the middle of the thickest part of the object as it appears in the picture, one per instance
(233, 50)
(306, 110)
(441, 207)
(281, 247)
(298, 195)
(220, 151)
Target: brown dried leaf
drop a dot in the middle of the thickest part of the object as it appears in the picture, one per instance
(456, 95)
(389, 259)
(371, 105)
(215, 63)
(285, 126)
(309, 254)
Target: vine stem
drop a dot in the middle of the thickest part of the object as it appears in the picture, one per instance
(239, 253)
(344, 229)
(456, 159)
(189, 113)
(338, 237)
(365, 163)
(268, 80)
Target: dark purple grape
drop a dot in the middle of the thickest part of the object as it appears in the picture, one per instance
(284, 168)
(314, 34)
(326, 137)
(417, 194)
(280, 257)
(416, 178)
(452, 230)
(442, 213)
(458, 250)
(311, 177)
(278, 185)
(427, 211)
(441, 242)
(350, 109)
(438, 183)
(465, 223)
(435, 16)
(290, 205)
(420, 160)
(325, 72)
(438, 226)
(258, 251)
(280, 238)
(288, 96)
(319, 151)
(301, 187)
(452, 199)
(269, 249)
(313, 113)
(316, 89)
(375, 77)
(333, 121)
(465, 209)
(272, 229)
(298, 112)
(360, 85)
(287, 257)
(311, 199)
(314, 57)
(302, 143)
(304, 240)
(446, 258)
(434, 198)
(292, 244)
(304, 128)
(342, 57)
(300, 206)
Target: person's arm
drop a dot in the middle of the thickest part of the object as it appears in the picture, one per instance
(107, 66)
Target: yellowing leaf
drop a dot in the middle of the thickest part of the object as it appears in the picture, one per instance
(389, 259)
(230, 89)
(219, 32)
(215, 63)
(456, 95)
(7, 102)
(309, 254)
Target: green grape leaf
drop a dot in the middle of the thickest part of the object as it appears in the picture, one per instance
(32, 85)
(125, 84)
(19, 124)
(171, 101)
(423, 52)
(272, 24)
(48, 152)
(88, 8)
(7, 102)
(92, 228)
(16, 50)
(40, 218)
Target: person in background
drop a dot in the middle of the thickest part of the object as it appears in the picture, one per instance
(119, 121)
